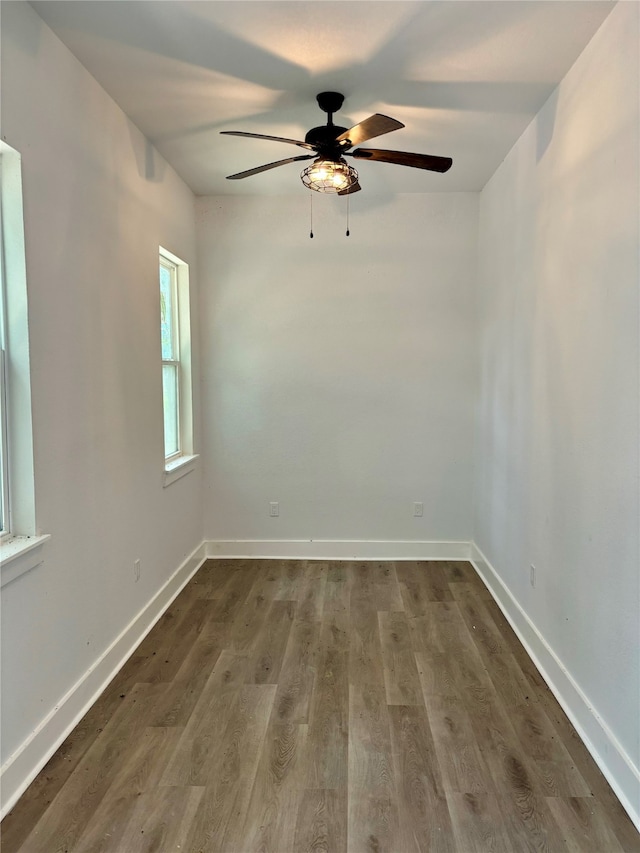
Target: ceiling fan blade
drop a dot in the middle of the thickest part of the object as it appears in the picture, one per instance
(375, 125)
(268, 166)
(405, 158)
(262, 136)
(354, 188)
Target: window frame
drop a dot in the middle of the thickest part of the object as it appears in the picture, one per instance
(182, 461)
(20, 541)
(5, 500)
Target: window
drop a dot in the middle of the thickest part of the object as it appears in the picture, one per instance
(20, 543)
(170, 357)
(175, 338)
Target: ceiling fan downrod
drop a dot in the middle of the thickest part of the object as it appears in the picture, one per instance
(330, 103)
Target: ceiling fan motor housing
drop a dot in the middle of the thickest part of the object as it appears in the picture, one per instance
(324, 137)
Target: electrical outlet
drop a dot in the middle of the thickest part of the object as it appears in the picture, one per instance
(418, 509)
(532, 575)
(274, 509)
(136, 570)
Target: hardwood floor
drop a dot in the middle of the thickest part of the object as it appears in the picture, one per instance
(324, 706)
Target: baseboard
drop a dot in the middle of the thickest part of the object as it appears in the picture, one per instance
(23, 766)
(615, 764)
(337, 549)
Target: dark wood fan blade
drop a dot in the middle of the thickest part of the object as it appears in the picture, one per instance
(375, 125)
(273, 138)
(354, 188)
(404, 158)
(268, 166)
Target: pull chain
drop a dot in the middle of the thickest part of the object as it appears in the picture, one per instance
(348, 232)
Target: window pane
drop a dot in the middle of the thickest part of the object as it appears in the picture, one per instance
(3, 415)
(166, 313)
(170, 403)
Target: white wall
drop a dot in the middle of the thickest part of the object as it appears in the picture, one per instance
(338, 373)
(98, 202)
(557, 443)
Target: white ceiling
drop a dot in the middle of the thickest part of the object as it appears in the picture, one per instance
(464, 76)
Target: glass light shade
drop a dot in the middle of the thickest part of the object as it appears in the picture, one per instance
(329, 176)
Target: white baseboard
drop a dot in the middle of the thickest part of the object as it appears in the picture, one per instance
(615, 764)
(337, 549)
(27, 761)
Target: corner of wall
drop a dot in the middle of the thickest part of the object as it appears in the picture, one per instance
(612, 759)
(21, 768)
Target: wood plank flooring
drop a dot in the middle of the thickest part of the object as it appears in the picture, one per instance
(324, 706)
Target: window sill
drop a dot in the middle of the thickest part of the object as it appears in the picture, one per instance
(178, 468)
(20, 554)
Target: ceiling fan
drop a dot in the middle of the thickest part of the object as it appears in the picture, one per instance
(330, 172)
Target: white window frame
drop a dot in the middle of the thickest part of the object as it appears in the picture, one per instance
(21, 542)
(183, 460)
(5, 506)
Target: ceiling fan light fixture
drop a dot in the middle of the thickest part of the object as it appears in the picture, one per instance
(329, 176)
